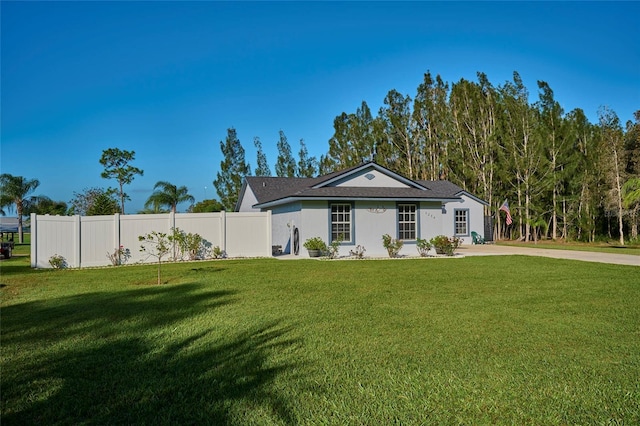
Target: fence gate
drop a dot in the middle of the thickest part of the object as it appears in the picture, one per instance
(488, 228)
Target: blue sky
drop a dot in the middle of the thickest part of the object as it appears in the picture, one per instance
(167, 79)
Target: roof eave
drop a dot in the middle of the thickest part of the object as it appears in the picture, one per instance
(473, 197)
(287, 200)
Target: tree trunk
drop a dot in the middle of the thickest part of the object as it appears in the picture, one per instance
(554, 216)
(564, 218)
(619, 198)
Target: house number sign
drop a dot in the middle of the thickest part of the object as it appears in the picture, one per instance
(379, 209)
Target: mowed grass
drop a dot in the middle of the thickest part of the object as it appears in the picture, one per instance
(630, 249)
(480, 340)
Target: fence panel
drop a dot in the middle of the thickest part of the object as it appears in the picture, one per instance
(132, 226)
(56, 235)
(207, 225)
(86, 241)
(98, 238)
(248, 234)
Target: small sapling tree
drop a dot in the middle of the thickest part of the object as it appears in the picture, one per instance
(155, 244)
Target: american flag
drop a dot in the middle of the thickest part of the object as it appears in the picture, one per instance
(505, 208)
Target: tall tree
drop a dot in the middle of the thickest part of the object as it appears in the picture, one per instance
(45, 205)
(285, 164)
(263, 166)
(354, 138)
(116, 166)
(525, 150)
(631, 201)
(363, 134)
(585, 176)
(431, 115)
(307, 166)
(612, 145)
(632, 150)
(551, 128)
(206, 206)
(632, 145)
(473, 109)
(399, 149)
(14, 190)
(169, 195)
(94, 202)
(233, 169)
(340, 147)
(103, 204)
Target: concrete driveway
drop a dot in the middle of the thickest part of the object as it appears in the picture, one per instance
(587, 256)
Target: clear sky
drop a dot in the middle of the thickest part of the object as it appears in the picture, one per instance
(167, 79)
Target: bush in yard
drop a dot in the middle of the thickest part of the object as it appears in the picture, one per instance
(392, 245)
(358, 252)
(316, 246)
(315, 243)
(334, 248)
(423, 247)
(58, 262)
(119, 256)
(191, 246)
(218, 253)
(445, 245)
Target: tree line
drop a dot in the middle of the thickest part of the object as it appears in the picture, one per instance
(563, 176)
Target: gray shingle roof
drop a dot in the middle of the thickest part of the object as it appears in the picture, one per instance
(271, 189)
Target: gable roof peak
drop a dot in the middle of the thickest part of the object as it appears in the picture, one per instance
(342, 174)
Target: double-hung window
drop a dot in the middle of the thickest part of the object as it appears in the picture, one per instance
(407, 221)
(461, 222)
(341, 222)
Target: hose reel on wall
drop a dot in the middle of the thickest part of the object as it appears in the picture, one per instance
(296, 241)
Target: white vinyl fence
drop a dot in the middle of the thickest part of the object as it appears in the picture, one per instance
(86, 241)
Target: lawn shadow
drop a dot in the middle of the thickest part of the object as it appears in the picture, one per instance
(94, 360)
(16, 266)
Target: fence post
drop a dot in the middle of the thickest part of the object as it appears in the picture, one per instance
(77, 261)
(172, 221)
(269, 250)
(223, 231)
(34, 240)
(116, 231)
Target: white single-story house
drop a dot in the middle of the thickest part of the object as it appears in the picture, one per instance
(361, 204)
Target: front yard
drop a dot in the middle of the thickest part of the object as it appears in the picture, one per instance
(479, 340)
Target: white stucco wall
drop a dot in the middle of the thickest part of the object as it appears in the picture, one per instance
(314, 222)
(248, 201)
(476, 217)
(378, 179)
(372, 220)
(282, 218)
(431, 220)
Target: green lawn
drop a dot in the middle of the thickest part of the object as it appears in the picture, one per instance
(479, 340)
(632, 249)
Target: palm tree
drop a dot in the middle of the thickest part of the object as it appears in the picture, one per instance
(14, 190)
(167, 194)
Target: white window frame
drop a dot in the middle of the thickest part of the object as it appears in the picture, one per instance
(341, 216)
(406, 219)
(461, 222)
